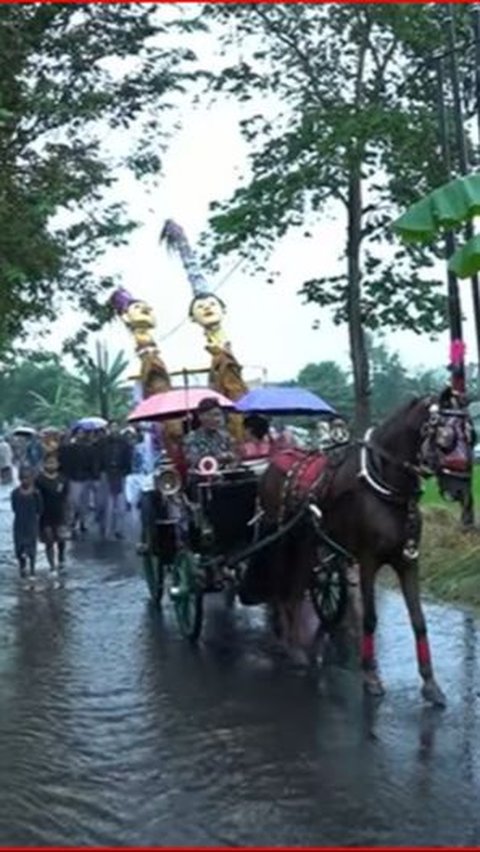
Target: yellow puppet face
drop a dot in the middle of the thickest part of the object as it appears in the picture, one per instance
(139, 315)
(207, 311)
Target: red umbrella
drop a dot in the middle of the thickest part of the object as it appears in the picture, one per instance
(176, 403)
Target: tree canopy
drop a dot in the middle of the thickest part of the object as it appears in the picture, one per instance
(331, 382)
(356, 126)
(41, 391)
(70, 76)
(392, 383)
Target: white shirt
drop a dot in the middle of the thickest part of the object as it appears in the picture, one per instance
(6, 456)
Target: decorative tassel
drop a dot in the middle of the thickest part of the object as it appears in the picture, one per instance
(457, 352)
(457, 365)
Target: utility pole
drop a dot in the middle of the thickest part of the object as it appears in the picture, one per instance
(454, 308)
(462, 155)
(476, 35)
(457, 357)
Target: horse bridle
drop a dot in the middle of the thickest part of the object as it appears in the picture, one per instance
(440, 438)
(434, 436)
(382, 488)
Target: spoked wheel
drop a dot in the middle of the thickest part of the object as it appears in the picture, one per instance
(328, 589)
(186, 596)
(154, 575)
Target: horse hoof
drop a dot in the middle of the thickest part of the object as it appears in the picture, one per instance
(432, 693)
(372, 685)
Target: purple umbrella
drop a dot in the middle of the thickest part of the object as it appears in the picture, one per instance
(90, 424)
(277, 401)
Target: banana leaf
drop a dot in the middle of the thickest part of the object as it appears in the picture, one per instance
(465, 262)
(445, 208)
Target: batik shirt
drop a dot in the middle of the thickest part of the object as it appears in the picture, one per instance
(203, 442)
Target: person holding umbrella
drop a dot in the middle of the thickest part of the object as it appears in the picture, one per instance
(210, 438)
(258, 442)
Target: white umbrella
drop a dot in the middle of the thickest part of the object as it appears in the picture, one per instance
(24, 430)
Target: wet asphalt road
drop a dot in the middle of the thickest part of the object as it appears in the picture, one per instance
(114, 731)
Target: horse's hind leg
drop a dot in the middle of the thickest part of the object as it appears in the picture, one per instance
(409, 581)
(372, 682)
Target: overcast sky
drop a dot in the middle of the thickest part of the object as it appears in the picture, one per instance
(268, 324)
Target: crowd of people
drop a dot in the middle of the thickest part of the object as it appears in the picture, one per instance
(69, 480)
(65, 480)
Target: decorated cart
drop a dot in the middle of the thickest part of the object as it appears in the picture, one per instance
(204, 532)
(202, 529)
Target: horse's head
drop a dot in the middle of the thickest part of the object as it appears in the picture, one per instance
(447, 439)
(432, 436)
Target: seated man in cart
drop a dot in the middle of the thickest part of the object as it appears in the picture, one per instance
(258, 442)
(210, 439)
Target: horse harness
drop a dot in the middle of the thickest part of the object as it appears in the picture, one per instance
(438, 438)
(302, 481)
(390, 494)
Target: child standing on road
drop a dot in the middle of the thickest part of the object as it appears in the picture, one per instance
(53, 488)
(27, 507)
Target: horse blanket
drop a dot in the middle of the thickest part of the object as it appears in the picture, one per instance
(304, 468)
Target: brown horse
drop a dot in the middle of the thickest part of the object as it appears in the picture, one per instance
(368, 498)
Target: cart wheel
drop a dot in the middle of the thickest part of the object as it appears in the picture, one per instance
(328, 590)
(154, 575)
(185, 595)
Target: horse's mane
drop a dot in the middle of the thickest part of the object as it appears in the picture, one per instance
(399, 416)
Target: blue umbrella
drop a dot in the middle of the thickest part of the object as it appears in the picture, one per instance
(278, 400)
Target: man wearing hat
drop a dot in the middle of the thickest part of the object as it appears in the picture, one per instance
(210, 438)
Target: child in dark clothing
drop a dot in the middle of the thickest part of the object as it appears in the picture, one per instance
(27, 507)
(53, 488)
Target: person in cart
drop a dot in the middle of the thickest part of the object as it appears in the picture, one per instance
(210, 439)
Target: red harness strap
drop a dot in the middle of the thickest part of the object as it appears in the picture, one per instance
(305, 468)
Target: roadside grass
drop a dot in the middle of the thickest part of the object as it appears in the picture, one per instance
(432, 497)
(449, 556)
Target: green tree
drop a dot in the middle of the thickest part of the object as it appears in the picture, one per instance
(355, 126)
(391, 384)
(328, 380)
(61, 410)
(41, 373)
(428, 381)
(69, 77)
(103, 387)
(40, 390)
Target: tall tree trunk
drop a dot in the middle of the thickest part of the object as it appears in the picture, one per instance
(358, 349)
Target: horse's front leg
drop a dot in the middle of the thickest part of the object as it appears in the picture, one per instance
(372, 682)
(409, 580)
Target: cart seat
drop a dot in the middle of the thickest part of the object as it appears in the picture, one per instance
(229, 505)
